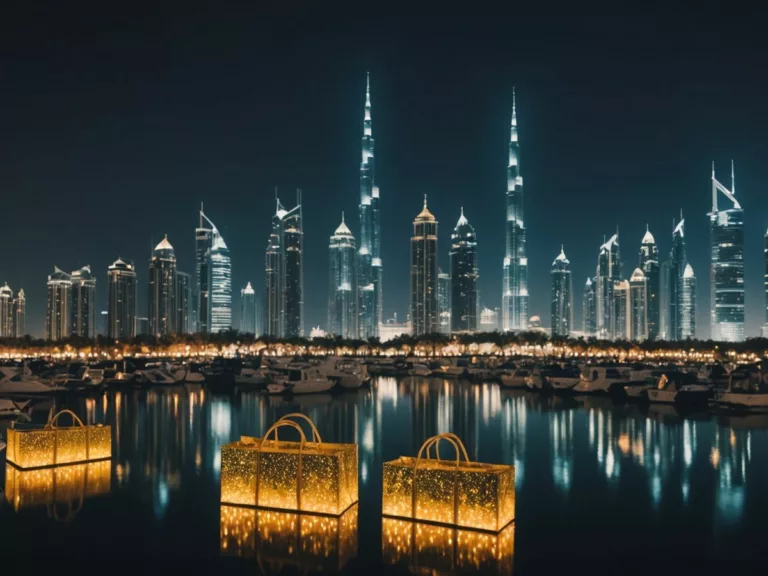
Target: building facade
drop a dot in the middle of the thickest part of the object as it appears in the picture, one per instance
(424, 313)
(727, 264)
(6, 312)
(489, 320)
(678, 258)
(58, 318)
(248, 310)
(184, 303)
(444, 301)
(83, 303)
(514, 300)
(639, 306)
(649, 264)
(464, 277)
(620, 327)
(688, 304)
(121, 308)
(221, 285)
(201, 314)
(20, 314)
(342, 284)
(162, 309)
(562, 296)
(589, 308)
(608, 273)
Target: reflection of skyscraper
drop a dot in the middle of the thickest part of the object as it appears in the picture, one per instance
(464, 275)
(649, 264)
(424, 273)
(562, 296)
(58, 318)
(20, 314)
(608, 273)
(6, 312)
(83, 303)
(589, 308)
(677, 261)
(183, 302)
(342, 292)
(638, 304)
(121, 308)
(248, 310)
(688, 304)
(727, 265)
(162, 290)
(444, 301)
(514, 305)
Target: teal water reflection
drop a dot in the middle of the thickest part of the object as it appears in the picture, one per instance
(621, 487)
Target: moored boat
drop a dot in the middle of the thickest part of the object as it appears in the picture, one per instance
(298, 380)
(747, 391)
(679, 388)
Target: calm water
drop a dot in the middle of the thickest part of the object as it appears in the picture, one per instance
(603, 488)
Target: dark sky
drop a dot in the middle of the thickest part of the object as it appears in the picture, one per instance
(118, 119)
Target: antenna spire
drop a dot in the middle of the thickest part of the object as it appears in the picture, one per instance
(713, 169)
(733, 179)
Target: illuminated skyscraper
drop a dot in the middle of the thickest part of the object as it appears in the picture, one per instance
(514, 301)
(6, 312)
(638, 306)
(424, 273)
(589, 308)
(727, 264)
(621, 329)
(83, 303)
(649, 264)
(202, 296)
(464, 275)
(678, 258)
(58, 319)
(20, 314)
(688, 304)
(221, 285)
(121, 308)
(248, 310)
(370, 269)
(162, 290)
(444, 301)
(608, 273)
(183, 303)
(342, 287)
(562, 296)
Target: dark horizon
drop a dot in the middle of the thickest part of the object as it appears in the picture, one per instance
(114, 127)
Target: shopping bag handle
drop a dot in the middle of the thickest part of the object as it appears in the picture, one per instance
(52, 422)
(315, 434)
(284, 424)
(454, 440)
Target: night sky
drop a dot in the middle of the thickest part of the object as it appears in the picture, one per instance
(116, 122)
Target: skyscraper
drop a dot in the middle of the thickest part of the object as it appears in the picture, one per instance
(688, 304)
(765, 283)
(562, 296)
(727, 264)
(677, 260)
(464, 275)
(649, 264)
(273, 277)
(58, 319)
(121, 308)
(424, 273)
(639, 305)
(621, 329)
(203, 241)
(608, 273)
(6, 312)
(83, 303)
(370, 269)
(589, 308)
(444, 301)
(20, 314)
(248, 310)
(221, 285)
(162, 290)
(342, 285)
(514, 306)
(183, 303)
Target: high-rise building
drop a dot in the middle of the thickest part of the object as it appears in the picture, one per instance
(562, 296)
(284, 274)
(765, 283)
(514, 301)
(649, 264)
(727, 264)
(83, 303)
(162, 308)
(121, 308)
(464, 275)
(677, 260)
(248, 310)
(621, 329)
(342, 285)
(589, 308)
(370, 269)
(424, 273)
(608, 273)
(221, 285)
(6, 312)
(203, 243)
(20, 314)
(688, 304)
(639, 306)
(183, 303)
(58, 319)
(444, 301)
(489, 320)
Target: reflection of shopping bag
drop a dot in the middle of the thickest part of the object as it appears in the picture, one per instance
(311, 476)
(434, 549)
(56, 485)
(278, 539)
(470, 494)
(54, 445)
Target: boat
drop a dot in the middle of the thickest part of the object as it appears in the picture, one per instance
(417, 369)
(187, 372)
(609, 379)
(449, 368)
(298, 380)
(383, 367)
(679, 388)
(155, 376)
(747, 392)
(536, 381)
(16, 381)
(562, 378)
(9, 408)
(249, 376)
(347, 373)
(515, 378)
(638, 389)
(78, 378)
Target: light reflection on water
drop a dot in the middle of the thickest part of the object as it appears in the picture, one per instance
(585, 471)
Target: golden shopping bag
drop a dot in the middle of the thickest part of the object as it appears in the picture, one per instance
(279, 539)
(311, 476)
(435, 549)
(53, 445)
(469, 494)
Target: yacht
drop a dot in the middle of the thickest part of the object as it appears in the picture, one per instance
(679, 388)
(449, 367)
(747, 392)
(515, 378)
(187, 372)
(608, 379)
(348, 373)
(11, 408)
(417, 369)
(16, 381)
(155, 376)
(638, 389)
(563, 378)
(298, 380)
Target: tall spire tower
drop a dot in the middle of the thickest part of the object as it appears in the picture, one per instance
(514, 300)
(369, 265)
